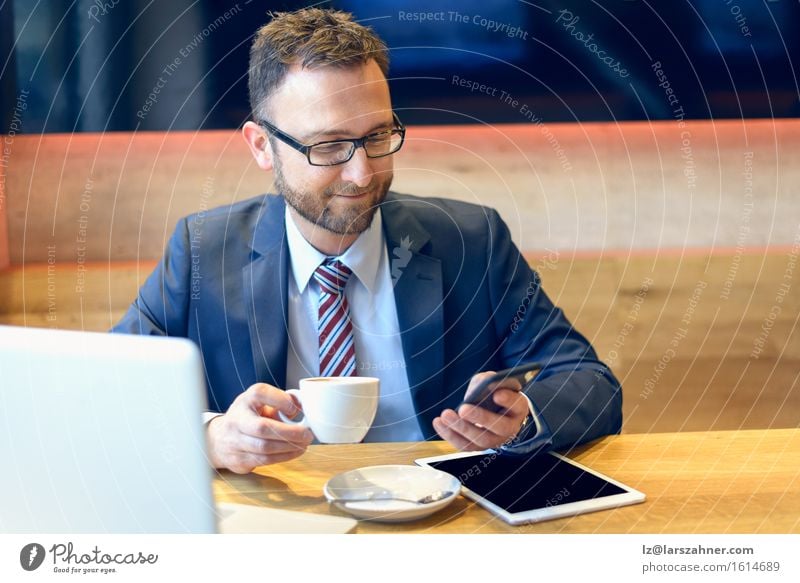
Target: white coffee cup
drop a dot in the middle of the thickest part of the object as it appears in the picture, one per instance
(337, 409)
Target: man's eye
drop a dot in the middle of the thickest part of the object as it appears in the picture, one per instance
(329, 148)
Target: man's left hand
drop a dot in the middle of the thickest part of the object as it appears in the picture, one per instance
(474, 428)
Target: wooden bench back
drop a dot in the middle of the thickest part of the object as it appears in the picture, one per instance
(117, 196)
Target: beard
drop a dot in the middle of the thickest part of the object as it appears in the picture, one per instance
(327, 211)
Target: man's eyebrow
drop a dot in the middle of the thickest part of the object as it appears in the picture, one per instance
(317, 136)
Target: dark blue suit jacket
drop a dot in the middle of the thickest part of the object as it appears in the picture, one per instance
(466, 302)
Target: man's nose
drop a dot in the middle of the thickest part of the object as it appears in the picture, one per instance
(358, 169)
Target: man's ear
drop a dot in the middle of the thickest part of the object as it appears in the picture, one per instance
(258, 142)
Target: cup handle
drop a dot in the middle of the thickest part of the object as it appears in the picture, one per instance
(285, 419)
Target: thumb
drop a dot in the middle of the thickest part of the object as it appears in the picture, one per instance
(478, 378)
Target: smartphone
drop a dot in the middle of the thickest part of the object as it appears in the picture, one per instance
(481, 395)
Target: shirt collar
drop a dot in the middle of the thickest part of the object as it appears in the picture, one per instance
(363, 256)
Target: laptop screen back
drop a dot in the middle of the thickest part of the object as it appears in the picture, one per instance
(102, 433)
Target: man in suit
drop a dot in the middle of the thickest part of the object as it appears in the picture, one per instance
(336, 275)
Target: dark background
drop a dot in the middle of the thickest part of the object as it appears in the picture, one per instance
(95, 74)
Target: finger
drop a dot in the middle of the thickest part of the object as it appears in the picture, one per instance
(478, 378)
(450, 436)
(260, 394)
(465, 444)
(511, 383)
(265, 428)
(512, 401)
(255, 445)
(273, 413)
(285, 457)
(481, 437)
(503, 424)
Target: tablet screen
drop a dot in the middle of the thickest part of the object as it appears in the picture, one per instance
(521, 483)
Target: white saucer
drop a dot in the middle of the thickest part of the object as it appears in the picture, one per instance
(411, 482)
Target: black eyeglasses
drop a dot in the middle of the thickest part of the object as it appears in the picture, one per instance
(331, 153)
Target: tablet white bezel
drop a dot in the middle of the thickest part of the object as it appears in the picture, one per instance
(630, 496)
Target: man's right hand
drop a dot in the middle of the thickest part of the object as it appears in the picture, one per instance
(251, 434)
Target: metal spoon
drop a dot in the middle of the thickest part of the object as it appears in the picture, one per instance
(429, 499)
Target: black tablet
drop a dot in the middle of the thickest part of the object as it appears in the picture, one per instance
(525, 489)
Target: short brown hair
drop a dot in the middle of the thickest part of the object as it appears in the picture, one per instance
(311, 37)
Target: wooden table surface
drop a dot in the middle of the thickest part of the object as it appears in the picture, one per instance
(704, 482)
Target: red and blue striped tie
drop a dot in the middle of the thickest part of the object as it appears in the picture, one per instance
(337, 353)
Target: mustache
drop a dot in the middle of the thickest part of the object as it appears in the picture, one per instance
(349, 189)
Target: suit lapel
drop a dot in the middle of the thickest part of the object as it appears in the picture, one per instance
(418, 296)
(265, 293)
(417, 281)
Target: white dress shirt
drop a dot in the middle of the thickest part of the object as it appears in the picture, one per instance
(376, 331)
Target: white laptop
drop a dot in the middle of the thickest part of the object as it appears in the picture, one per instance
(103, 433)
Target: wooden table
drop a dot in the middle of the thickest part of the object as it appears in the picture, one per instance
(705, 482)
